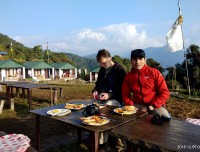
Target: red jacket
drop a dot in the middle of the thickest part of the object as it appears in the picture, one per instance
(147, 86)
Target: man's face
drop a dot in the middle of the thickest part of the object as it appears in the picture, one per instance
(105, 62)
(138, 62)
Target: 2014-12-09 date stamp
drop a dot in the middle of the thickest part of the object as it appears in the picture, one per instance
(192, 147)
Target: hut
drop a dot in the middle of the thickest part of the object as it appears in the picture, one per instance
(39, 70)
(11, 70)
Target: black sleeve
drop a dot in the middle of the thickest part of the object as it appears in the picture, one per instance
(117, 92)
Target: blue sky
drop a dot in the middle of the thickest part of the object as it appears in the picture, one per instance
(84, 26)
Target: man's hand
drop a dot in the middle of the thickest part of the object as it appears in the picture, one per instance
(141, 108)
(144, 109)
(95, 95)
(103, 96)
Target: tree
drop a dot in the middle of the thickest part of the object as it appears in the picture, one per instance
(152, 63)
(193, 57)
(126, 64)
(193, 64)
(38, 52)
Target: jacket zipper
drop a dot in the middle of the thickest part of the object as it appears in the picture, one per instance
(140, 86)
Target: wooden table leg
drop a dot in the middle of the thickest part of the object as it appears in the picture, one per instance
(37, 132)
(61, 92)
(55, 96)
(17, 92)
(23, 92)
(8, 95)
(95, 141)
(79, 135)
(52, 102)
(29, 98)
(129, 147)
(12, 95)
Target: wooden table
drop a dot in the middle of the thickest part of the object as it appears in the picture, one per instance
(8, 90)
(73, 119)
(29, 87)
(174, 136)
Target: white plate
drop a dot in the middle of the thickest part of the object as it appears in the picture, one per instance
(112, 103)
(74, 105)
(58, 112)
(96, 124)
(125, 112)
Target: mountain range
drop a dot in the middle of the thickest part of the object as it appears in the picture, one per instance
(83, 62)
(159, 54)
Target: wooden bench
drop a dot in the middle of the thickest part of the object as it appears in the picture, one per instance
(173, 136)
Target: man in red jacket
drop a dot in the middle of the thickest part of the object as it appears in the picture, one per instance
(144, 87)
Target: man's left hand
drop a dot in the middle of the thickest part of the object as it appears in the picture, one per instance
(144, 109)
(104, 96)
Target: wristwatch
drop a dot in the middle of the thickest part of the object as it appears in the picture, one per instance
(151, 108)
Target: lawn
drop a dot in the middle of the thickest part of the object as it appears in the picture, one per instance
(54, 133)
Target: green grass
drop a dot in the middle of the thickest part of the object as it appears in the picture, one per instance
(21, 121)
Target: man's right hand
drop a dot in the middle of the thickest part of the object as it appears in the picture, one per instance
(95, 95)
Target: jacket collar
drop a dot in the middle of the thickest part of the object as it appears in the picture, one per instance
(141, 70)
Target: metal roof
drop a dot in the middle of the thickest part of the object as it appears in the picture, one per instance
(3, 53)
(9, 64)
(96, 69)
(37, 65)
(63, 65)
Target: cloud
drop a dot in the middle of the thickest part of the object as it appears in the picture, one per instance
(117, 38)
(88, 34)
(30, 41)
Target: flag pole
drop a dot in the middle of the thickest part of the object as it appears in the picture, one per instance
(185, 55)
(47, 51)
(11, 49)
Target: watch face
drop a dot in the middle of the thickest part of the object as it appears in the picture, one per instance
(151, 107)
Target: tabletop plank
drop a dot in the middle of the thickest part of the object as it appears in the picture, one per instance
(30, 85)
(74, 117)
(174, 136)
(11, 82)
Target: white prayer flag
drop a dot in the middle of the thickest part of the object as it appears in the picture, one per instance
(175, 36)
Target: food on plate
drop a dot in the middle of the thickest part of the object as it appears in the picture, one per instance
(103, 121)
(129, 108)
(74, 106)
(92, 123)
(55, 111)
(83, 118)
(94, 120)
(119, 110)
(58, 112)
(126, 112)
(89, 120)
(96, 103)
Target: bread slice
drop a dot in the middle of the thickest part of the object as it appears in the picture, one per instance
(129, 108)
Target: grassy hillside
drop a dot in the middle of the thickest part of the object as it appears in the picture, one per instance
(22, 54)
(82, 62)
